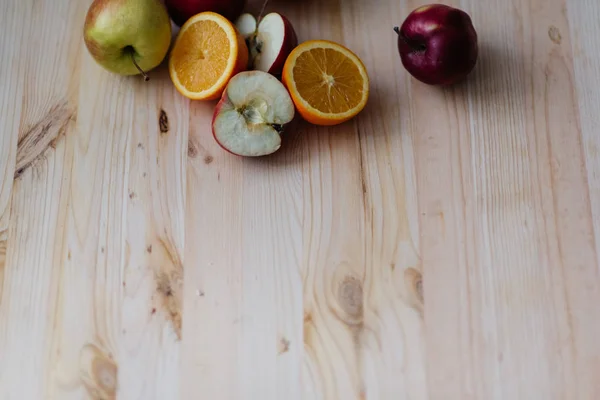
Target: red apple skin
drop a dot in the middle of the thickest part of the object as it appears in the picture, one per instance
(181, 10)
(438, 44)
(290, 42)
(212, 123)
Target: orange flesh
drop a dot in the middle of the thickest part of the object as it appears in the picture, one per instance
(327, 80)
(201, 56)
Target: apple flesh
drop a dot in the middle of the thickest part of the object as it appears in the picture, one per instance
(270, 41)
(246, 25)
(250, 117)
(438, 44)
(181, 10)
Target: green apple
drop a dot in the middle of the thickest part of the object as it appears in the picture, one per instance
(128, 37)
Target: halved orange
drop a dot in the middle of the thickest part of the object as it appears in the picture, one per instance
(208, 51)
(328, 83)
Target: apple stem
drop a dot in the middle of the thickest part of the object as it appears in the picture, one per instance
(144, 74)
(416, 45)
(262, 11)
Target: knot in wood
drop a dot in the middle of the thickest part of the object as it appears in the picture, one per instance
(350, 297)
(105, 374)
(414, 282)
(192, 150)
(163, 122)
(98, 372)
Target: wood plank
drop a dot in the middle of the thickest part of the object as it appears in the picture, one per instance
(11, 88)
(152, 314)
(585, 17)
(243, 256)
(29, 312)
(19, 326)
(390, 342)
(510, 266)
(93, 283)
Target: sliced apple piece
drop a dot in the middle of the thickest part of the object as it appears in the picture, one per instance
(270, 41)
(246, 25)
(249, 119)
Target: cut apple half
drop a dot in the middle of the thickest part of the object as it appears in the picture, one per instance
(249, 119)
(270, 41)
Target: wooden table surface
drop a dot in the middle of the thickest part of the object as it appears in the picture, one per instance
(443, 245)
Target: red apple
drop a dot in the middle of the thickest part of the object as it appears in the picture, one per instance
(438, 44)
(249, 119)
(181, 10)
(270, 43)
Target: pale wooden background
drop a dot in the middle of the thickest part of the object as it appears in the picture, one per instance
(443, 245)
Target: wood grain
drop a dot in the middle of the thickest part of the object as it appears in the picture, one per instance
(442, 245)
